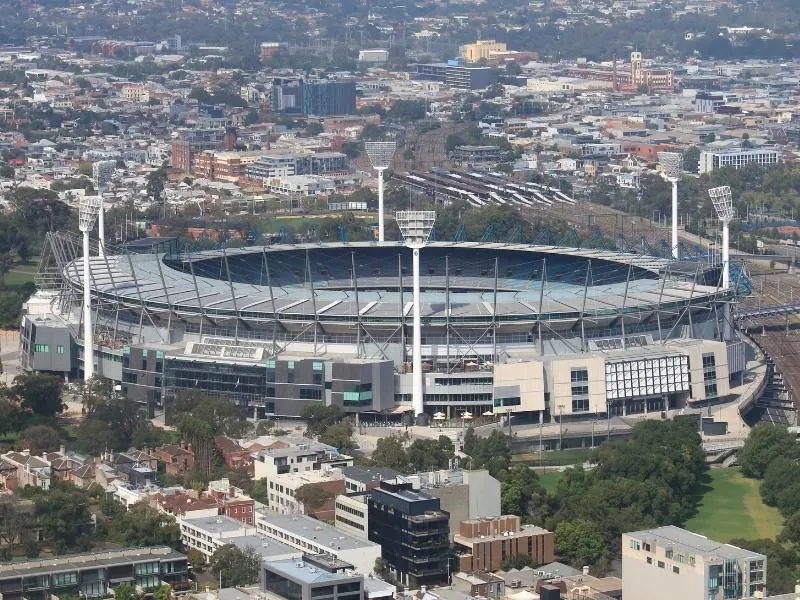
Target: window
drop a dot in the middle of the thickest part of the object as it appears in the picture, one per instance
(710, 375)
(310, 394)
(676, 570)
(317, 366)
(59, 349)
(661, 564)
(649, 560)
(634, 545)
(515, 401)
(669, 554)
(271, 363)
(41, 348)
(290, 364)
(579, 379)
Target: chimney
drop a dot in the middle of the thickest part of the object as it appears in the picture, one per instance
(585, 570)
(62, 450)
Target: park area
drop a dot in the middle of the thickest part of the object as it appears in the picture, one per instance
(731, 507)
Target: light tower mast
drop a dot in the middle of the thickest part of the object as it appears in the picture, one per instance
(380, 155)
(88, 208)
(416, 225)
(722, 199)
(672, 164)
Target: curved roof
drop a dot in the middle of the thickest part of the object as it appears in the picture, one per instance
(188, 286)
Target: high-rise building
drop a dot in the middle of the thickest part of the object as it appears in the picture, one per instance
(670, 562)
(412, 530)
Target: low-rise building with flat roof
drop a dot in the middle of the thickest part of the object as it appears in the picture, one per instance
(315, 537)
(483, 544)
(311, 577)
(206, 534)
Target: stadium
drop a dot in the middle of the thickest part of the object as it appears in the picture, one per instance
(505, 327)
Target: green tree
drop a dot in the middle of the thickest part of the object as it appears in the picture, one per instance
(163, 592)
(581, 542)
(125, 591)
(319, 417)
(390, 453)
(238, 567)
(64, 517)
(765, 443)
(39, 393)
(312, 496)
(691, 159)
(260, 491)
(40, 438)
(142, 525)
(340, 436)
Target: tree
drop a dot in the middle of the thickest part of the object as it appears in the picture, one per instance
(125, 591)
(691, 159)
(260, 491)
(340, 436)
(155, 183)
(238, 567)
(319, 417)
(163, 592)
(143, 525)
(40, 438)
(64, 517)
(390, 453)
(581, 542)
(39, 393)
(765, 443)
(312, 496)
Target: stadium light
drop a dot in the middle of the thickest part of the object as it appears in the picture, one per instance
(88, 208)
(380, 155)
(722, 199)
(672, 164)
(416, 226)
(101, 229)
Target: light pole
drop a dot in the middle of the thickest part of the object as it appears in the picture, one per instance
(560, 426)
(722, 200)
(380, 155)
(672, 163)
(88, 208)
(416, 225)
(101, 228)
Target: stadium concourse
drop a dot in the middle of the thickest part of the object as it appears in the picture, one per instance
(506, 328)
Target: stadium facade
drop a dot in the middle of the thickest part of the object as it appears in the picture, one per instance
(505, 327)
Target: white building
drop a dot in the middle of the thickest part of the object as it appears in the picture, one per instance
(297, 458)
(283, 489)
(206, 534)
(352, 515)
(315, 537)
(737, 157)
(301, 185)
(669, 562)
(376, 56)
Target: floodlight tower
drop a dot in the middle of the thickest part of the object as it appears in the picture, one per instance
(722, 200)
(672, 163)
(380, 155)
(88, 208)
(416, 225)
(101, 228)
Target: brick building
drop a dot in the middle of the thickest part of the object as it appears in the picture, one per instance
(483, 544)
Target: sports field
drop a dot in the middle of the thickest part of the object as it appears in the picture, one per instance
(731, 507)
(549, 480)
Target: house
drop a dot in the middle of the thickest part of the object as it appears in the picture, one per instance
(480, 583)
(233, 454)
(177, 460)
(30, 470)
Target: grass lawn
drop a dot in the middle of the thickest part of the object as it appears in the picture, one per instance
(731, 507)
(549, 480)
(555, 458)
(22, 273)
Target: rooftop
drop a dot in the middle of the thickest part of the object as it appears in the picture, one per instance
(322, 534)
(679, 539)
(217, 524)
(368, 474)
(306, 572)
(87, 561)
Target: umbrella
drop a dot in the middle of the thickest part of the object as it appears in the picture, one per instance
(439, 416)
(488, 413)
(466, 415)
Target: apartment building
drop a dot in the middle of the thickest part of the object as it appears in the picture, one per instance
(481, 50)
(311, 577)
(311, 536)
(351, 515)
(483, 544)
(669, 562)
(223, 166)
(412, 530)
(737, 158)
(93, 575)
(283, 491)
(298, 458)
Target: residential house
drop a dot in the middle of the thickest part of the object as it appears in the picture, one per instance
(177, 460)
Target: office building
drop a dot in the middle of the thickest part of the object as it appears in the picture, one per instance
(484, 544)
(464, 494)
(457, 76)
(412, 530)
(315, 97)
(669, 562)
(481, 50)
(315, 537)
(311, 577)
(303, 457)
(737, 158)
(93, 575)
(351, 515)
